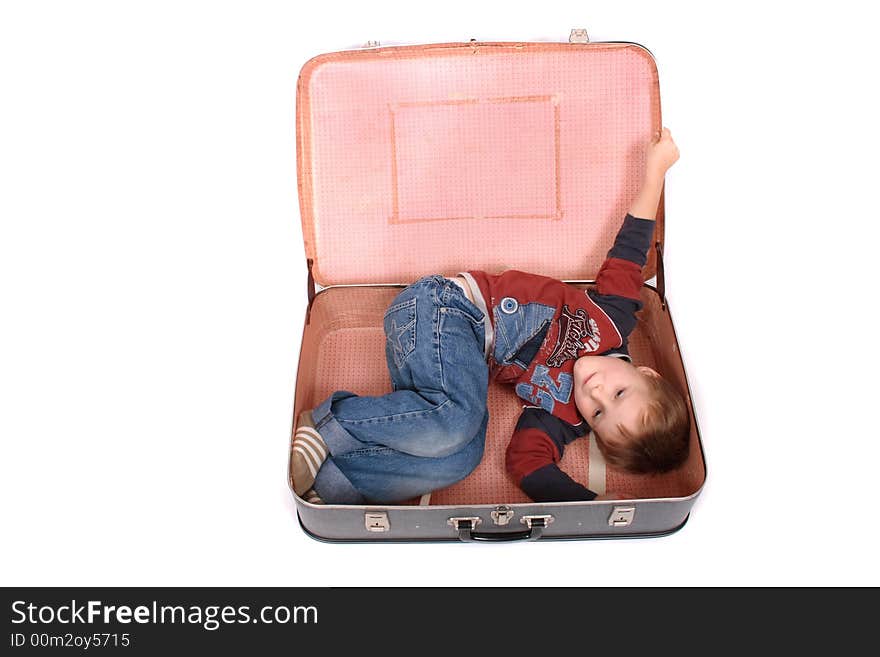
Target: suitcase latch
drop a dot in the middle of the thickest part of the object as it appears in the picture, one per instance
(622, 516)
(537, 521)
(376, 521)
(502, 515)
(464, 523)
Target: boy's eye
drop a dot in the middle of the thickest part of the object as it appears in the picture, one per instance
(597, 413)
(619, 393)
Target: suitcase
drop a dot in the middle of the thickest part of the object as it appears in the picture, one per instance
(440, 158)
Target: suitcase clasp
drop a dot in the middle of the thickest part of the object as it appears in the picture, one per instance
(464, 523)
(537, 521)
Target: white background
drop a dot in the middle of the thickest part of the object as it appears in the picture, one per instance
(152, 291)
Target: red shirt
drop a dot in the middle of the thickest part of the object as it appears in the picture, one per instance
(541, 327)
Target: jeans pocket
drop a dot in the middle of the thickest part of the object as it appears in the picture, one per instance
(513, 330)
(400, 330)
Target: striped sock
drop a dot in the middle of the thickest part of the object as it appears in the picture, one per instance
(309, 453)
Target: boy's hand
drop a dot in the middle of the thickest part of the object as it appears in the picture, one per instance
(662, 153)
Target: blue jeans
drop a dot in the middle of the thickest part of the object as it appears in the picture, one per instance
(427, 433)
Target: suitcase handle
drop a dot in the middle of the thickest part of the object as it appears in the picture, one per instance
(466, 533)
(468, 536)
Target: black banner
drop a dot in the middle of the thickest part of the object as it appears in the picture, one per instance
(151, 621)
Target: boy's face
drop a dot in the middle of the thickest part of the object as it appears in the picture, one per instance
(609, 392)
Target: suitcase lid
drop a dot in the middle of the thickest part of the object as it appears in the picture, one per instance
(441, 158)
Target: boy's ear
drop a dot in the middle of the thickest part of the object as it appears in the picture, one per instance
(647, 371)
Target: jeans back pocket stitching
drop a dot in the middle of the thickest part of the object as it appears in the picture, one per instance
(400, 355)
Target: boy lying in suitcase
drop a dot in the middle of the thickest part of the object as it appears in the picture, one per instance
(563, 350)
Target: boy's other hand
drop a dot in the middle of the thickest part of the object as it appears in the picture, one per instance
(662, 153)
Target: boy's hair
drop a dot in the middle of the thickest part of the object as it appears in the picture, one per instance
(661, 441)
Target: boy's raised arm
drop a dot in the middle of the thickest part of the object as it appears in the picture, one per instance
(619, 280)
(662, 154)
(621, 273)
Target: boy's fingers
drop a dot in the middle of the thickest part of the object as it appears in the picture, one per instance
(662, 134)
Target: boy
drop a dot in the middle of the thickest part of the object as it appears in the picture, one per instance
(562, 349)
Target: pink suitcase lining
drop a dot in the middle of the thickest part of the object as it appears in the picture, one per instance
(344, 348)
(407, 165)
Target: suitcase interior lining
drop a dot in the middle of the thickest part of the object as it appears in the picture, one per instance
(404, 151)
(343, 349)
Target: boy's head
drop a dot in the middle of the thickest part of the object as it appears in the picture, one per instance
(641, 422)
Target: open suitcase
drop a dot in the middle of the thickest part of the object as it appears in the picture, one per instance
(440, 158)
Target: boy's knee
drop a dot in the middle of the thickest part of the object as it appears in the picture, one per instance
(460, 426)
(444, 443)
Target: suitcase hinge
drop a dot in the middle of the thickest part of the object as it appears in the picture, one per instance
(310, 281)
(310, 289)
(578, 35)
(661, 277)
